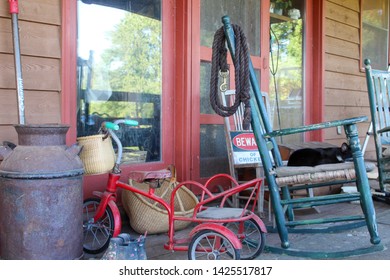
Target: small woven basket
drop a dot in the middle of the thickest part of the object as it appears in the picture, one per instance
(147, 215)
(97, 154)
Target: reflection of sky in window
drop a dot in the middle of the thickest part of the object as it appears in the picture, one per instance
(94, 23)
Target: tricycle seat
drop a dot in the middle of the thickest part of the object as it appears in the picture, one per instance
(218, 213)
(142, 176)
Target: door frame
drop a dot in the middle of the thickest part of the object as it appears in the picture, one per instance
(200, 53)
(313, 74)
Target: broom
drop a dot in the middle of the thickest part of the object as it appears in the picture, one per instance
(14, 10)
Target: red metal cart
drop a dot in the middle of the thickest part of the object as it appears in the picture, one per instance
(219, 233)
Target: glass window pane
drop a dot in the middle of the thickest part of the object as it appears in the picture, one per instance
(213, 151)
(245, 13)
(375, 17)
(286, 69)
(205, 73)
(119, 72)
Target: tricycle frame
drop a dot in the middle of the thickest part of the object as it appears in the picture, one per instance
(219, 226)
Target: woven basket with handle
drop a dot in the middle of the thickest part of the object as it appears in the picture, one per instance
(97, 154)
(147, 215)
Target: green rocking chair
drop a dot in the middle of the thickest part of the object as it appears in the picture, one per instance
(282, 180)
(379, 96)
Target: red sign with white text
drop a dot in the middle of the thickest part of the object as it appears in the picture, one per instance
(245, 141)
(244, 147)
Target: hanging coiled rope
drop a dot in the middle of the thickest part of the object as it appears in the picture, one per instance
(241, 66)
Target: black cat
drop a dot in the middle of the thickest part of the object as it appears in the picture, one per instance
(317, 156)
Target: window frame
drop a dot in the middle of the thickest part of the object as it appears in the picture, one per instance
(69, 85)
(361, 36)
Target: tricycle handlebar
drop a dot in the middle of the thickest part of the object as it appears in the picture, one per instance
(109, 127)
(131, 122)
(115, 125)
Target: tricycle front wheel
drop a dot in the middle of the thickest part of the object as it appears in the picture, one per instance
(96, 234)
(211, 245)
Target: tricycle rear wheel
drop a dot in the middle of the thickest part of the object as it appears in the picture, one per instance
(211, 245)
(251, 237)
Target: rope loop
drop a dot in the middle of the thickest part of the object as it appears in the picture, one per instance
(241, 74)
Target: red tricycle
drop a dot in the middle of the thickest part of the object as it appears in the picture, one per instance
(219, 232)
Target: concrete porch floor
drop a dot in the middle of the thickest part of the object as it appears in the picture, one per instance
(344, 240)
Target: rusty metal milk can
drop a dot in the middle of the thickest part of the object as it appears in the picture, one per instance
(41, 196)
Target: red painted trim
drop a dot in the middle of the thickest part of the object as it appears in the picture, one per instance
(195, 90)
(308, 44)
(168, 80)
(69, 64)
(314, 65)
(183, 74)
(211, 119)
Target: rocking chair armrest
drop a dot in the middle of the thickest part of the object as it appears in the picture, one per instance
(383, 130)
(318, 126)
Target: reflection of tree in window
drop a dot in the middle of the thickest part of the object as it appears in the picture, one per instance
(286, 73)
(289, 35)
(127, 64)
(134, 64)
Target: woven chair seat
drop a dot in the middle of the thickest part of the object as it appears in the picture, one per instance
(291, 175)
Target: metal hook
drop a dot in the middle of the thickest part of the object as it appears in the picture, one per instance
(224, 85)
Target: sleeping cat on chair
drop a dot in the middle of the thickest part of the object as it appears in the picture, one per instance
(317, 156)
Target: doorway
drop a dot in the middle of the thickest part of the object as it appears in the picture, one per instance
(209, 152)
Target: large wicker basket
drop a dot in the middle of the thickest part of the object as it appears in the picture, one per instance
(97, 154)
(146, 215)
